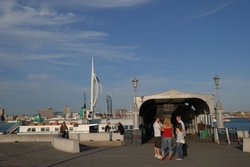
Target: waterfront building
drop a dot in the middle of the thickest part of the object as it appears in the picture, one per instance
(109, 106)
(46, 113)
(66, 110)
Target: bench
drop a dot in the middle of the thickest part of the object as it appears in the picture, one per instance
(66, 145)
(246, 144)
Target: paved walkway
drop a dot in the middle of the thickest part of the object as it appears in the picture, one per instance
(43, 155)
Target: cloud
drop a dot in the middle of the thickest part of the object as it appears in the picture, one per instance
(39, 34)
(215, 10)
(112, 3)
(89, 3)
(12, 14)
(211, 11)
(42, 45)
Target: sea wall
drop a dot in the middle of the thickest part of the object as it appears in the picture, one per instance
(95, 136)
(243, 134)
(25, 138)
(93, 139)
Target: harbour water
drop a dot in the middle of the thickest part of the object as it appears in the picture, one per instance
(5, 126)
(239, 123)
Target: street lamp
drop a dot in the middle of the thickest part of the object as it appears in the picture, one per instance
(218, 107)
(135, 112)
(135, 84)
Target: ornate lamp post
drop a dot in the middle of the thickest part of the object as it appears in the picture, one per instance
(135, 84)
(218, 107)
(135, 113)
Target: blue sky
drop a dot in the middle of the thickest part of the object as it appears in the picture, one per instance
(46, 49)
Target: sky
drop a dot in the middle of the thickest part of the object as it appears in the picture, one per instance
(46, 49)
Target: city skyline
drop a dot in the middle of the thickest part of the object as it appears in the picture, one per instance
(46, 49)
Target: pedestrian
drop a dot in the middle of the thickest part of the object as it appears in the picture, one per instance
(180, 140)
(179, 120)
(120, 128)
(167, 139)
(108, 130)
(157, 137)
(64, 131)
(201, 128)
(184, 146)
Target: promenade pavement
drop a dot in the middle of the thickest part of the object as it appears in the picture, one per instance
(200, 154)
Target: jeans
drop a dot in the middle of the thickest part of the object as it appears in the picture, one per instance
(179, 150)
(166, 142)
(110, 135)
(201, 134)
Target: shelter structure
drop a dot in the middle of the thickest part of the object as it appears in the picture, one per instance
(192, 107)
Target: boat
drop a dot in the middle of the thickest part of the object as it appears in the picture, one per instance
(54, 128)
(226, 120)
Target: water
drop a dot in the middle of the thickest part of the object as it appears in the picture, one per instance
(5, 126)
(239, 123)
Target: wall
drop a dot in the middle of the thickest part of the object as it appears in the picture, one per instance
(81, 137)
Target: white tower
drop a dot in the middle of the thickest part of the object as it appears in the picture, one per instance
(96, 89)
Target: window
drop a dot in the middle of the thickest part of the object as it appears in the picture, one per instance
(42, 129)
(56, 129)
(131, 127)
(33, 129)
(47, 129)
(29, 129)
(70, 128)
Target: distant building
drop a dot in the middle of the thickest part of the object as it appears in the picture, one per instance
(66, 110)
(10, 118)
(47, 113)
(109, 105)
(23, 118)
(58, 114)
(2, 118)
(122, 113)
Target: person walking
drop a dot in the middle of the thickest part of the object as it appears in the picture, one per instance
(201, 128)
(167, 139)
(180, 140)
(157, 137)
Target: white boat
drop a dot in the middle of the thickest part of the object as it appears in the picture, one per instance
(54, 129)
(73, 127)
(226, 120)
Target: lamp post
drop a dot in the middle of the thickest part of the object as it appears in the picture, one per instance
(135, 113)
(218, 106)
(135, 84)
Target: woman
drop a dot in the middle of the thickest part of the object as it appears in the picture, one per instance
(64, 131)
(167, 138)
